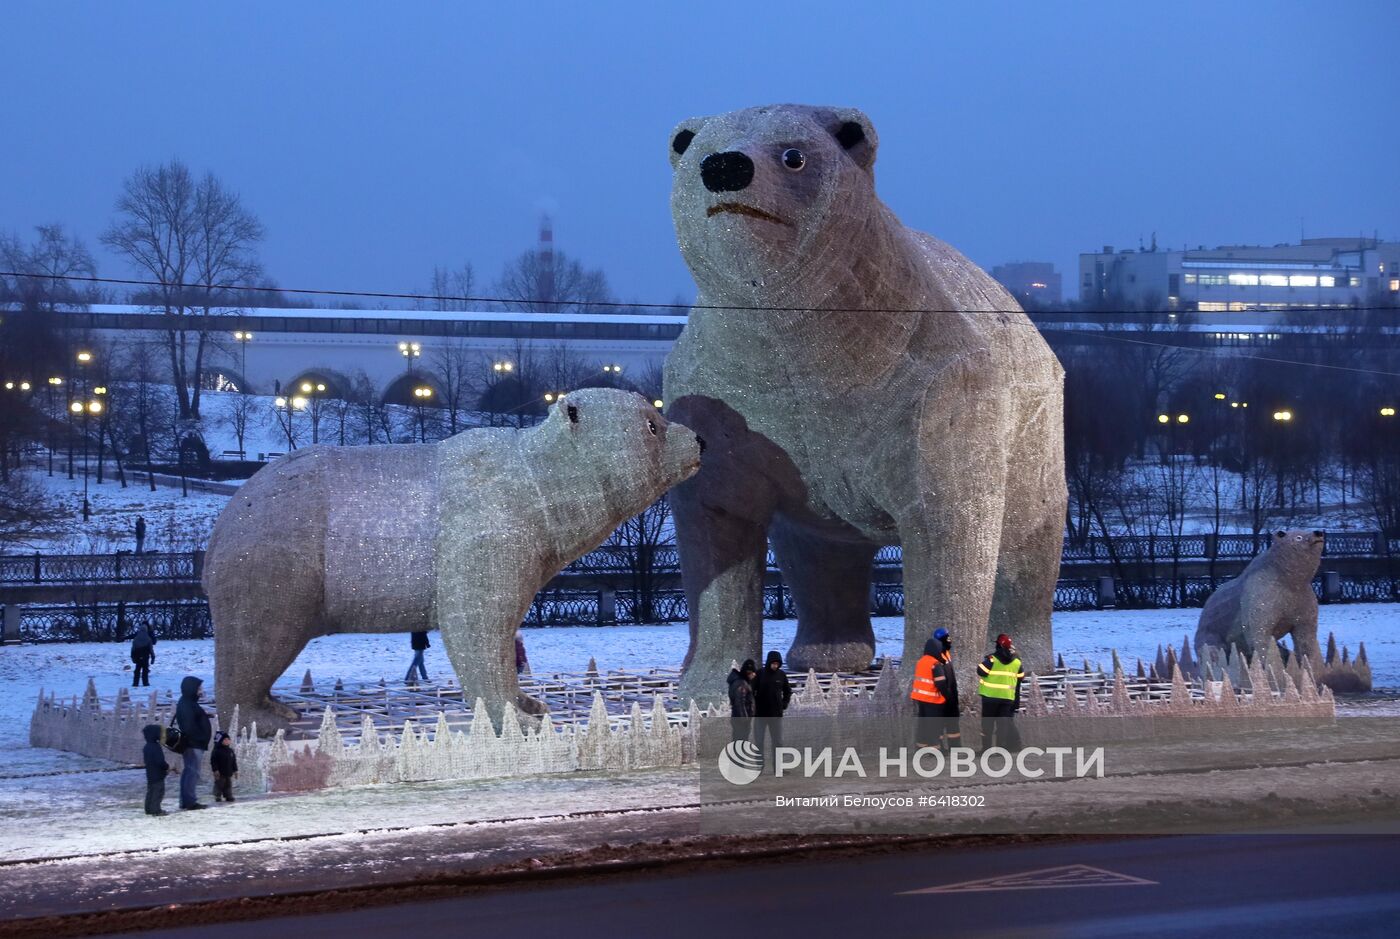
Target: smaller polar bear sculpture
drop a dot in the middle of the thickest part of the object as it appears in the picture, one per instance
(456, 536)
(1273, 597)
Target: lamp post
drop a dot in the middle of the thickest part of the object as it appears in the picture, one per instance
(54, 383)
(409, 351)
(289, 406)
(86, 409)
(314, 394)
(422, 395)
(242, 337)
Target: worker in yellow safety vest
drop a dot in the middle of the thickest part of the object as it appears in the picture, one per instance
(935, 695)
(999, 677)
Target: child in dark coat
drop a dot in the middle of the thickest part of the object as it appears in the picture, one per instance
(156, 769)
(224, 762)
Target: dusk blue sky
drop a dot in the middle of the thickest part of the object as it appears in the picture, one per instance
(377, 139)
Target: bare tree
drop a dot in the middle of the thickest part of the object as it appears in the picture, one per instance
(458, 373)
(44, 269)
(450, 288)
(195, 239)
(551, 282)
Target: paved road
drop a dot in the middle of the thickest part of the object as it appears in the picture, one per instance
(1344, 884)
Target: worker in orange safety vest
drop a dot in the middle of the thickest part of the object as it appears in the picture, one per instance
(935, 695)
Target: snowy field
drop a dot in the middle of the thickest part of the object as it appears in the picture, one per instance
(65, 667)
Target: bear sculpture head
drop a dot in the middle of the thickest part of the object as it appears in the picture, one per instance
(617, 446)
(1298, 551)
(761, 196)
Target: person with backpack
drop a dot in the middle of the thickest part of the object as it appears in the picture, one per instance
(741, 700)
(195, 731)
(143, 653)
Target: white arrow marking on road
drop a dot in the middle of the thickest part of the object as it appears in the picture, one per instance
(1047, 878)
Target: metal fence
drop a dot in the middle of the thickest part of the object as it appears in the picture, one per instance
(109, 622)
(36, 568)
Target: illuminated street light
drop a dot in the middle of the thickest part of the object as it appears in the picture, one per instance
(76, 407)
(1183, 418)
(94, 407)
(503, 366)
(1220, 396)
(1164, 418)
(55, 381)
(100, 390)
(1283, 416)
(656, 404)
(1387, 412)
(85, 357)
(9, 386)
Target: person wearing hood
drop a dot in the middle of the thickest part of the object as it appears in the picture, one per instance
(999, 683)
(195, 731)
(741, 699)
(224, 762)
(772, 693)
(935, 694)
(143, 653)
(153, 754)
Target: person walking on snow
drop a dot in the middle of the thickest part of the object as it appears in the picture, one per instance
(140, 533)
(741, 700)
(195, 731)
(420, 644)
(999, 684)
(153, 754)
(521, 661)
(224, 762)
(143, 653)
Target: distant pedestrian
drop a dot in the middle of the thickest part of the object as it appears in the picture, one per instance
(195, 731)
(741, 700)
(772, 693)
(140, 533)
(420, 644)
(224, 762)
(999, 684)
(156, 769)
(143, 653)
(521, 661)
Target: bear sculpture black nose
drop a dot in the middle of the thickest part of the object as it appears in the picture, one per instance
(726, 172)
(700, 441)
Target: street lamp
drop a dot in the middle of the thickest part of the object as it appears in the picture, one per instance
(1387, 412)
(503, 367)
(242, 337)
(54, 384)
(409, 351)
(422, 394)
(86, 409)
(657, 404)
(1283, 416)
(552, 396)
(288, 406)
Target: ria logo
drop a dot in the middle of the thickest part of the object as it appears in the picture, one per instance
(740, 762)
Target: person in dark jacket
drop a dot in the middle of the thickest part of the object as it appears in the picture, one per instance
(156, 769)
(522, 662)
(224, 762)
(420, 644)
(945, 677)
(195, 732)
(143, 653)
(140, 533)
(741, 700)
(772, 692)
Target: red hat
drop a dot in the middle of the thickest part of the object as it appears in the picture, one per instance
(1004, 640)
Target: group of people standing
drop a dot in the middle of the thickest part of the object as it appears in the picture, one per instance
(934, 692)
(190, 734)
(757, 699)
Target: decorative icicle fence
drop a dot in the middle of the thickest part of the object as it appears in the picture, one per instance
(618, 721)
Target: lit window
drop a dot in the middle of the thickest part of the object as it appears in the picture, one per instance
(1354, 282)
(1273, 280)
(1395, 285)
(1210, 306)
(1302, 280)
(1327, 280)
(1244, 280)
(1189, 278)
(1237, 307)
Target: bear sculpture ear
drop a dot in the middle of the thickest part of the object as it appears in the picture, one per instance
(681, 137)
(856, 135)
(1280, 534)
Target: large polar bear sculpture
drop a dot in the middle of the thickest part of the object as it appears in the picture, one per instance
(457, 536)
(859, 384)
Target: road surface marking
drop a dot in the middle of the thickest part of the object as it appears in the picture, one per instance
(1047, 878)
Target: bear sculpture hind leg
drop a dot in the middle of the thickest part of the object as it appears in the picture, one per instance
(247, 663)
(830, 584)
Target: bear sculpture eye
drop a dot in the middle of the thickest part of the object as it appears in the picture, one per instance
(794, 159)
(651, 426)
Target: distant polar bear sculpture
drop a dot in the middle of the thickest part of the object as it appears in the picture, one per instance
(457, 536)
(1273, 597)
(860, 384)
